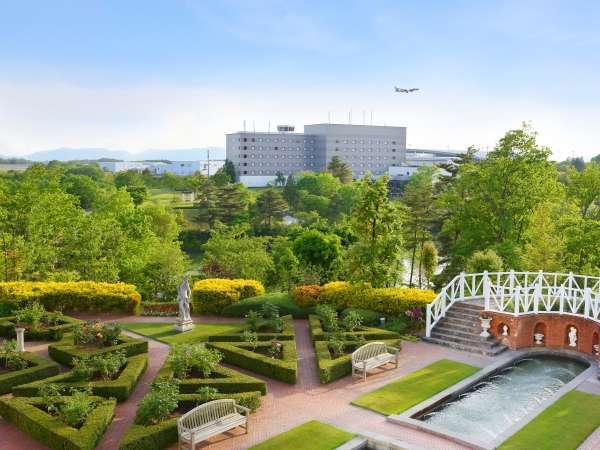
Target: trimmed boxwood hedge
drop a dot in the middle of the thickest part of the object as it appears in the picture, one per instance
(64, 351)
(159, 436)
(85, 296)
(119, 388)
(240, 354)
(282, 300)
(225, 381)
(370, 334)
(287, 334)
(54, 333)
(25, 414)
(40, 368)
(331, 369)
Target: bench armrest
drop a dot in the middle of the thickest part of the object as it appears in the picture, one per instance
(392, 350)
(243, 409)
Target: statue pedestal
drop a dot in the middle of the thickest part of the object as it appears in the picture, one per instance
(183, 325)
(20, 339)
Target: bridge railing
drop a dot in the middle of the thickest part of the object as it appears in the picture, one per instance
(520, 293)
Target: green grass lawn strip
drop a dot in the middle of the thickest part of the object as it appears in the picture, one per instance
(412, 389)
(311, 435)
(563, 425)
(164, 332)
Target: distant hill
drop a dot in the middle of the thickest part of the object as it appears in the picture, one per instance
(78, 154)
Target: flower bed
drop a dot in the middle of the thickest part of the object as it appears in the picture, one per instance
(244, 355)
(368, 333)
(120, 388)
(330, 368)
(28, 415)
(65, 350)
(39, 368)
(287, 333)
(41, 333)
(161, 309)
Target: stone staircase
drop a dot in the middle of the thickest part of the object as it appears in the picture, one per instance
(460, 329)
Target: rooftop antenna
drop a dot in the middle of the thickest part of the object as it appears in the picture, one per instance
(328, 116)
(244, 125)
(269, 126)
(364, 112)
(371, 117)
(253, 127)
(350, 117)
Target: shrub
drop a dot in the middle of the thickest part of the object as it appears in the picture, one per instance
(55, 324)
(251, 338)
(75, 409)
(484, 260)
(96, 333)
(308, 295)
(107, 365)
(210, 296)
(253, 320)
(369, 317)
(336, 344)
(337, 293)
(25, 368)
(352, 321)
(159, 403)
(31, 314)
(160, 309)
(368, 333)
(86, 296)
(9, 357)
(185, 357)
(328, 316)
(286, 332)
(283, 300)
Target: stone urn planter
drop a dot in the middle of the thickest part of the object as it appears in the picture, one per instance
(485, 326)
(539, 338)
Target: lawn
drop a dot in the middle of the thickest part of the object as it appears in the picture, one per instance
(564, 424)
(311, 435)
(163, 331)
(412, 389)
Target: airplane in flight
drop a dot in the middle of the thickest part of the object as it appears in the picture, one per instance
(405, 91)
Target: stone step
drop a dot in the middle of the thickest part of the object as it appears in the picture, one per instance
(467, 307)
(467, 332)
(461, 321)
(474, 341)
(462, 315)
(491, 351)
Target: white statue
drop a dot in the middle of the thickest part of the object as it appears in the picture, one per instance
(184, 293)
(504, 330)
(572, 337)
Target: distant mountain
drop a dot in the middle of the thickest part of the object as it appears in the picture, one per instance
(74, 154)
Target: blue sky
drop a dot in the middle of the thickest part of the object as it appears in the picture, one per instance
(147, 74)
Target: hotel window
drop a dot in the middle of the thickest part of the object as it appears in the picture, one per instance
(245, 139)
(275, 148)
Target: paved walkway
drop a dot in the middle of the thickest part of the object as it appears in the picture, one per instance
(286, 406)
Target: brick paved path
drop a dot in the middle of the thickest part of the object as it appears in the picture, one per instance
(286, 406)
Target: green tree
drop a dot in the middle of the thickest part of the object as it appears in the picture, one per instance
(319, 250)
(419, 200)
(584, 187)
(290, 190)
(279, 179)
(429, 259)
(206, 203)
(271, 206)
(480, 261)
(225, 174)
(546, 246)
(285, 265)
(340, 169)
(376, 255)
(139, 194)
(231, 203)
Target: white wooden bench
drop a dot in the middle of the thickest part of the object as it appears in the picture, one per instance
(210, 419)
(372, 355)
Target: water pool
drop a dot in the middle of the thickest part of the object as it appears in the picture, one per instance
(502, 399)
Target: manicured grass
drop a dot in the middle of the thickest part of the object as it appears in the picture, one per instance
(164, 332)
(282, 299)
(412, 389)
(311, 435)
(564, 424)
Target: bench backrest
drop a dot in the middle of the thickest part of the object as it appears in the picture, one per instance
(207, 412)
(368, 351)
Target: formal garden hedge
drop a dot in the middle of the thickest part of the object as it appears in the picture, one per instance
(119, 388)
(330, 368)
(283, 300)
(242, 354)
(160, 309)
(65, 350)
(27, 414)
(341, 294)
(210, 296)
(163, 434)
(85, 296)
(368, 333)
(286, 334)
(39, 368)
(225, 380)
(51, 333)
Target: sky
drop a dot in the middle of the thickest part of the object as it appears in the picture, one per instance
(133, 75)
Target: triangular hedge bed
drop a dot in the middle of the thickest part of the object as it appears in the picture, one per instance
(119, 388)
(246, 390)
(242, 354)
(331, 369)
(368, 333)
(25, 414)
(39, 369)
(52, 333)
(286, 334)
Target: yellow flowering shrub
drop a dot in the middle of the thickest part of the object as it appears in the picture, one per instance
(84, 296)
(306, 296)
(210, 296)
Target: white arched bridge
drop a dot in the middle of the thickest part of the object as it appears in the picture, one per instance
(520, 293)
